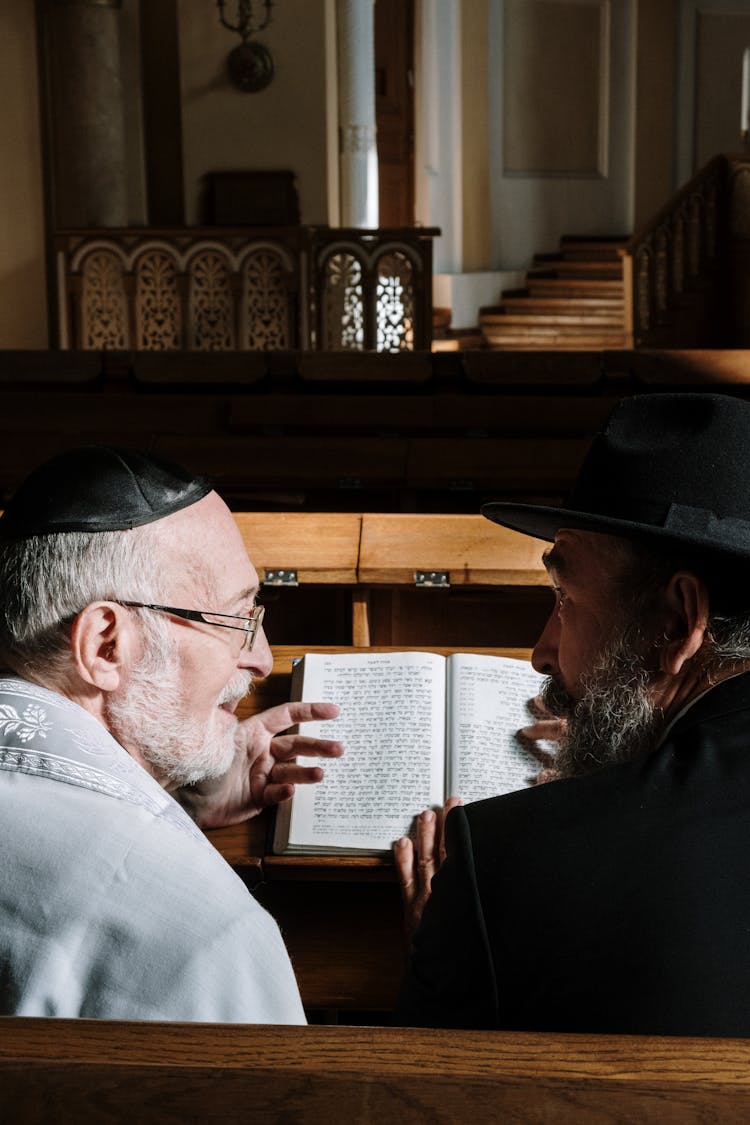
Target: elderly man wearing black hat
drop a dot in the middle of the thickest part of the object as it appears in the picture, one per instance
(616, 898)
(129, 631)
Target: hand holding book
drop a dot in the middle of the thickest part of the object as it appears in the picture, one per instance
(418, 858)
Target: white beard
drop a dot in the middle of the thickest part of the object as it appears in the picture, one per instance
(150, 715)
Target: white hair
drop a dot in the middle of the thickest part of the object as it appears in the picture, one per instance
(46, 580)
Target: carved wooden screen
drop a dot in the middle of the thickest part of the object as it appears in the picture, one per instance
(370, 296)
(394, 302)
(267, 295)
(158, 314)
(342, 307)
(300, 287)
(103, 302)
(211, 316)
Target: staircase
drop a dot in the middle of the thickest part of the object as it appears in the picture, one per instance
(572, 300)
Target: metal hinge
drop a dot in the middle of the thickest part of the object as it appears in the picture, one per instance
(280, 578)
(431, 578)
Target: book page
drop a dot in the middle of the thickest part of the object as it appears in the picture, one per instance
(487, 703)
(392, 726)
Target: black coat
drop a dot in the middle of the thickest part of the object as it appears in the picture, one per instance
(616, 902)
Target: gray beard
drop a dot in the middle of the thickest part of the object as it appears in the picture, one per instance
(614, 721)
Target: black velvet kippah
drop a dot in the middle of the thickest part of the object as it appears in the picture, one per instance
(99, 488)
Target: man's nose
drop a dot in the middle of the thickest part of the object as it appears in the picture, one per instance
(544, 656)
(258, 659)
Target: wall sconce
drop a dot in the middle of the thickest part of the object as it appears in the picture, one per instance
(250, 65)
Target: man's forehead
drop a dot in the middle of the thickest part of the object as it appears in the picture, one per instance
(207, 535)
(575, 550)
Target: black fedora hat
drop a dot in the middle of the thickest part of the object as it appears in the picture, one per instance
(669, 469)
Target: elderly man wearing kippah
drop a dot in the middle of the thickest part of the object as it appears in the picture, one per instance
(616, 897)
(129, 631)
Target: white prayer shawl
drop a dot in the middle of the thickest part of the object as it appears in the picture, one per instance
(113, 904)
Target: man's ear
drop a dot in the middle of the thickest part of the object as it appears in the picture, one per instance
(687, 614)
(101, 641)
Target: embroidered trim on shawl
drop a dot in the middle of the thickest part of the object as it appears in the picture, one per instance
(81, 737)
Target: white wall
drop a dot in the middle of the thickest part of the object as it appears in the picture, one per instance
(284, 127)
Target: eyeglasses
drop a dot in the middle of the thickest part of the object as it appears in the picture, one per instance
(250, 624)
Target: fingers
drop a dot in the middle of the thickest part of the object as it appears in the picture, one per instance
(539, 709)
(540, 739)
(427, 835)
(291, 773)
(286, 746)
(274, 794)
(418, 860)
(551, 729)
(415, 860)
(289, 714)
(403, 857)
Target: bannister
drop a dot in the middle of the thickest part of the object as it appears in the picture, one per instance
(248, 289)
(672, 266)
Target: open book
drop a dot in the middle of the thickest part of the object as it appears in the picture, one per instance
(416, 727)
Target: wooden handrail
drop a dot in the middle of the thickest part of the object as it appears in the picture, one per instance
(714, 165)
(673, 263)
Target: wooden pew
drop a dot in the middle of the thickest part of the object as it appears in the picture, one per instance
(337, 431)
(74, 1072)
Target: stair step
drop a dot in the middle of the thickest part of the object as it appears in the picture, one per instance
(530, 322)
(585, 344)
(459, 343)
(573, 287)
(571, 300)
(558, 267)
(593, 249)
(548, 331)
(571, 306)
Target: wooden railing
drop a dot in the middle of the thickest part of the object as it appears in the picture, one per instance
(687, 272)
(672, 267)
(215, 289)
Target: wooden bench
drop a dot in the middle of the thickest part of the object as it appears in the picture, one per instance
(73, 1072)
(336, 431)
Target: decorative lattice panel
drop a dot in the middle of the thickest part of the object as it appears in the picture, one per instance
(211, 318)
(158, 316)
(266, 302)
(104, 307)
(342, 306)
(395, 303)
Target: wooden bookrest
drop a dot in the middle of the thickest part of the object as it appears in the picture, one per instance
(383, 559)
